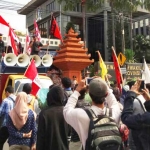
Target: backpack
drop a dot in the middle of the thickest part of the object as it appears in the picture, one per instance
(31, 103)
(103, 132)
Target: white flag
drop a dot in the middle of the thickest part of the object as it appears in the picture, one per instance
(146, 73)
(27, 49)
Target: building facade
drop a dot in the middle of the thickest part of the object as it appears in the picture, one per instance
(96, 23)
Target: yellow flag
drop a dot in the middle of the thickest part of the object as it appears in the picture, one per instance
(103, 68)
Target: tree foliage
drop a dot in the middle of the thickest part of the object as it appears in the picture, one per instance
(141, 47)
(130, 56)
(91, 5)
(69, 26)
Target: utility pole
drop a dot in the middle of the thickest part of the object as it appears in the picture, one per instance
(84, 21)
(122, 30)
(131, 35)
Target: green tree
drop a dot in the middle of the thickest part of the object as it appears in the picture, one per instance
(69, 26)
(130, 56)
(147, 4)
(141, 46)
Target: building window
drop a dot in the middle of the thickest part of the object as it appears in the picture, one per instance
(43, 29)
(50, 7)
(141, 26)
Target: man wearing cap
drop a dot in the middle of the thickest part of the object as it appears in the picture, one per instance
(2, 46)
(100, 94)
(35, 46)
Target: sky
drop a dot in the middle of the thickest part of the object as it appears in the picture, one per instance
(18, 22)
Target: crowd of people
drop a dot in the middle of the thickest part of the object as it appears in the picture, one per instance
(65, 121)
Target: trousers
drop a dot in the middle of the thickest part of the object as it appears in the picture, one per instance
(19, 147)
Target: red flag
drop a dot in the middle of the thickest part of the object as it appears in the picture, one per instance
(35, 88)
(37, 32)
(117, 70)
(54, 29)
(31, 71)
(4, 26)
(11, 42)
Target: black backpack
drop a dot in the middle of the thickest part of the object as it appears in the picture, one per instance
(103, 132)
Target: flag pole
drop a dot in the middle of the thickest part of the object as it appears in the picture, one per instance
(117, 62)
(49, 35)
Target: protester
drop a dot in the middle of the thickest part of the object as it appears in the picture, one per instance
(2, 46)
(6, 106)
(21, 125)
(32, 101)
(75, 143)
(116, 91)
(138, 108)
(35, 45)
(74, 82)
(52, 128)
(78, 118)
(139, 122)
(125, 89)
(66, 84)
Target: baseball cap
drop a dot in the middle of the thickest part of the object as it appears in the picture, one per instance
(98, 87)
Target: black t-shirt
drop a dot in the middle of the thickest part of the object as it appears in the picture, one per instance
(35, 47)
(2, 48)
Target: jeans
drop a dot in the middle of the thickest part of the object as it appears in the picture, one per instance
(3, 136)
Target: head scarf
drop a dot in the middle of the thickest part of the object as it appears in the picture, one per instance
(55, 96)
(19, 114)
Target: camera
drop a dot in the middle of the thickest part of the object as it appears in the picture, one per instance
(88, 80)
(142, 86)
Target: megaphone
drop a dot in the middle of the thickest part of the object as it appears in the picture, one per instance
(10, 59)
(23, 60)
(37, 60)
(47, 60)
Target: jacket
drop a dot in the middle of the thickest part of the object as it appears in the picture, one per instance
(52, 130)
(140, 123)
(78, 118)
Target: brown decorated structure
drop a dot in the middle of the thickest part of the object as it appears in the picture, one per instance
(72, 57)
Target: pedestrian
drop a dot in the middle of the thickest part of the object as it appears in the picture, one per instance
(2, 46)
(6, 106)
(21, 125)
(99, 93)
(52, 128)
(139, 122)
(66, 84)
(31, 100)
(36, 45)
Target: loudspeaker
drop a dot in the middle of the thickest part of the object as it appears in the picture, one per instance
(10, 59)
(37, 60)
(47, 60)
(23, 60)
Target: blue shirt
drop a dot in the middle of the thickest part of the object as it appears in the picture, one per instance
(16, 136)
(6, 106)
